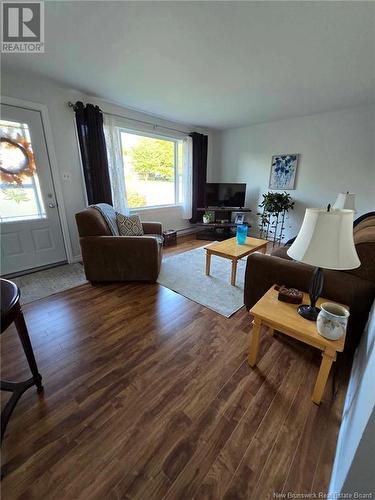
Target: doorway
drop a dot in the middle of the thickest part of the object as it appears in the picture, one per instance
(31, 232)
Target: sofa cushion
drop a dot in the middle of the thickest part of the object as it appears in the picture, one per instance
(367, 221)
(129, 225)
(364, 240)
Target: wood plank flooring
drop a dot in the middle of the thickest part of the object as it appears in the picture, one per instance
(148, 395)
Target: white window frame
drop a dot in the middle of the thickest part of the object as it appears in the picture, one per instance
(176, 179)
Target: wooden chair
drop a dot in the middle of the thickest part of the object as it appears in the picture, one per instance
(11, 312)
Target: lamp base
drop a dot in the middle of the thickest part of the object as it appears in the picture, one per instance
(308, 312)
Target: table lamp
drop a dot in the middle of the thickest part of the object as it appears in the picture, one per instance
(325, 240)
(345, 201)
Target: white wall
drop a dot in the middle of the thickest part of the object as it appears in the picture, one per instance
(353, 469)
(55, 96)
(336, 154)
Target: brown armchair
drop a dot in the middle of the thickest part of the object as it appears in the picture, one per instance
(118, 258)
(355, 288)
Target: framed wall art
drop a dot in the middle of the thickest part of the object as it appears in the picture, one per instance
(283, 171)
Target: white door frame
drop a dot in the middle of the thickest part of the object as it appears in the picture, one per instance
(43, 109)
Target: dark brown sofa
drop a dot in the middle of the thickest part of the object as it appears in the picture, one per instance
(355, 288)
(118, 258)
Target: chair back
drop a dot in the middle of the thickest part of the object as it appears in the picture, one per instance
(90, 222)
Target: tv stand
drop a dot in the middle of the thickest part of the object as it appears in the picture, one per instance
(219, 231)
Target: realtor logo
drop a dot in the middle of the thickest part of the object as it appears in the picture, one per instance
(22, 27)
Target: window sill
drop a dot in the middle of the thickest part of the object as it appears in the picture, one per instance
(155, 207)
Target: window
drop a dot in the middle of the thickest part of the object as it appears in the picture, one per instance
(20, 194)
(152, 169)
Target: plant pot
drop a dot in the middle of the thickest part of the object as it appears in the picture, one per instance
(332, 321)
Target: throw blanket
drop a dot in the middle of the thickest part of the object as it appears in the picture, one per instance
(109, 215)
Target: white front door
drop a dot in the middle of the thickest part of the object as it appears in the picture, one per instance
(31, 234)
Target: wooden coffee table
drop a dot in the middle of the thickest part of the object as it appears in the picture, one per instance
(281, 316)
(229, 249)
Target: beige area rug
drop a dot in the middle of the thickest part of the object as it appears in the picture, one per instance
(185, 274)
(41, 284)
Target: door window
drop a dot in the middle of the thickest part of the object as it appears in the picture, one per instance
(20, 193)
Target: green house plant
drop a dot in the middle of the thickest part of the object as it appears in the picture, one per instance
(275, 207)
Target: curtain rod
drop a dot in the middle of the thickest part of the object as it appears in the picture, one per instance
(153, 125)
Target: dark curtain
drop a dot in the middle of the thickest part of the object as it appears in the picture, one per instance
(89, 121)
(200, 143)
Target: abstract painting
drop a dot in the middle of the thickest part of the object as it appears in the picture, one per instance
(283, 171)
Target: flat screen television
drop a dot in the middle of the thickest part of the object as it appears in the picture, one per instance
(224, 195)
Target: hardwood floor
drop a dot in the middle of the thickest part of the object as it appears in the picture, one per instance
(148, 395)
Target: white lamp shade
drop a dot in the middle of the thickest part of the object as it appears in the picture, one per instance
(326, 240)
(345, 201)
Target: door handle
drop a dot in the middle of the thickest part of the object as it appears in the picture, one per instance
(51, 205)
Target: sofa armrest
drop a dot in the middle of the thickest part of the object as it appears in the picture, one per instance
(152, 228)
(121, 258)
(262, 271)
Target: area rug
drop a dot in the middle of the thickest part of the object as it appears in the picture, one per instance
(185, 274)
(41, 284)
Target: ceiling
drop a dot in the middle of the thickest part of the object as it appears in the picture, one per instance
(212, 64)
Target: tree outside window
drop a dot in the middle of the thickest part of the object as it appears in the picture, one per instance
(150, 170)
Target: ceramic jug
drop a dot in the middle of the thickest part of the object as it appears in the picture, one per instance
(332, 320)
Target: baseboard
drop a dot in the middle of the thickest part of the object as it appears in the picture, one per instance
(187, 230)
(75, 259)
(34, 270)
(187, 233)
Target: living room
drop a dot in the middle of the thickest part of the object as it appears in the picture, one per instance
(124, 200)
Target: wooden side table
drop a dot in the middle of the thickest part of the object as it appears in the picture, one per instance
(281, 316)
